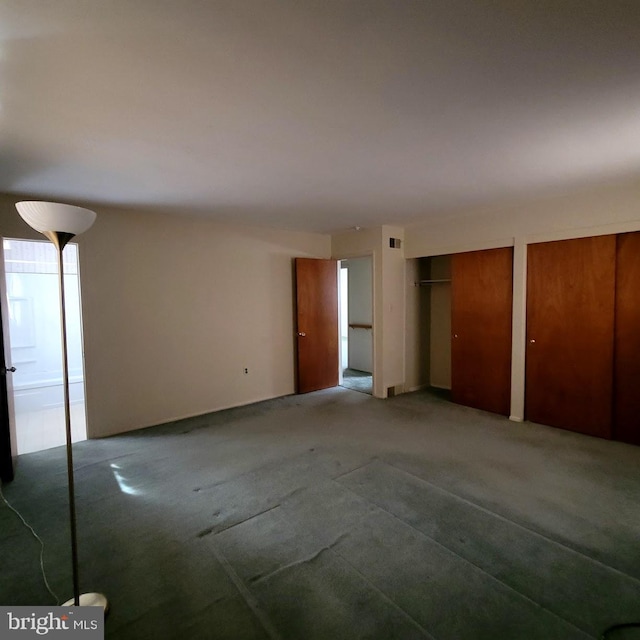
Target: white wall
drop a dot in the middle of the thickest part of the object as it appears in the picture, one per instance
(360, 307)
(174, 308)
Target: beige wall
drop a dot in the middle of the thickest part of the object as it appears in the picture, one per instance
(393, 302)
(613, 208)
(608, 209)
(175, 308)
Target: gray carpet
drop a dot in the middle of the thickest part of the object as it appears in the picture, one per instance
(357, 380)
(335, 515)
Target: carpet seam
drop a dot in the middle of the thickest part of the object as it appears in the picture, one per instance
(237, 524)
(245, 593)
(517, 524)
(362, 466)
(377, 589)
(473, 564)
(255, 470)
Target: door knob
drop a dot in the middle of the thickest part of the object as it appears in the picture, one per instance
(10, 370)
(532, 341)
(302, 334)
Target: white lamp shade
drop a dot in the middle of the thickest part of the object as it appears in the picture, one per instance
(53, 216)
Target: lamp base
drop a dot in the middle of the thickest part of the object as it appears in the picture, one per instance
(90, 600)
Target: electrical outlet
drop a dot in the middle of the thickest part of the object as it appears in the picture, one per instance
(246, 370)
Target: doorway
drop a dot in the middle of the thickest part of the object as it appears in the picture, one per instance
(35, 349)
(356, 324)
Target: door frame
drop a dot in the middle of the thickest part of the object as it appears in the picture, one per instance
(7, 339)
(374, 307)
(8, 446)
(341, 311)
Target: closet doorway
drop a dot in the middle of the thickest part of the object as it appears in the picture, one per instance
(464, 319)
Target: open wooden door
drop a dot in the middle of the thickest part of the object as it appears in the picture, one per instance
(570, 329)
(481, 310)
(317, 324)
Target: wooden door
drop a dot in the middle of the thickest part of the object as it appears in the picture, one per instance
(627, 340)
(317, 324)
(481, 309)
(570, 321)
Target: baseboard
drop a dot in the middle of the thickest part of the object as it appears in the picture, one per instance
(516, 419)
(420, 387)
(187, 416)
(439, 386)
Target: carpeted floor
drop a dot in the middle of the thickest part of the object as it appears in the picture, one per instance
(357, 380)
(335, 515)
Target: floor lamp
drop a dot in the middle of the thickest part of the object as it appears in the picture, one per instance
(59, 223)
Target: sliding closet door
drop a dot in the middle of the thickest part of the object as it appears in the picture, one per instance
(627, 340)
(481, 306)
(570, 322)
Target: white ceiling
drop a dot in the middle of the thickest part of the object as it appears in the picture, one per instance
(316, 114)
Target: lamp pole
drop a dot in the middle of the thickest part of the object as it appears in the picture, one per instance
(60, 240)
(59, 223)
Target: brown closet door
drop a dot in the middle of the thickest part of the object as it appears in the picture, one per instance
(481, 305)
(570, 320)
(627, 340)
